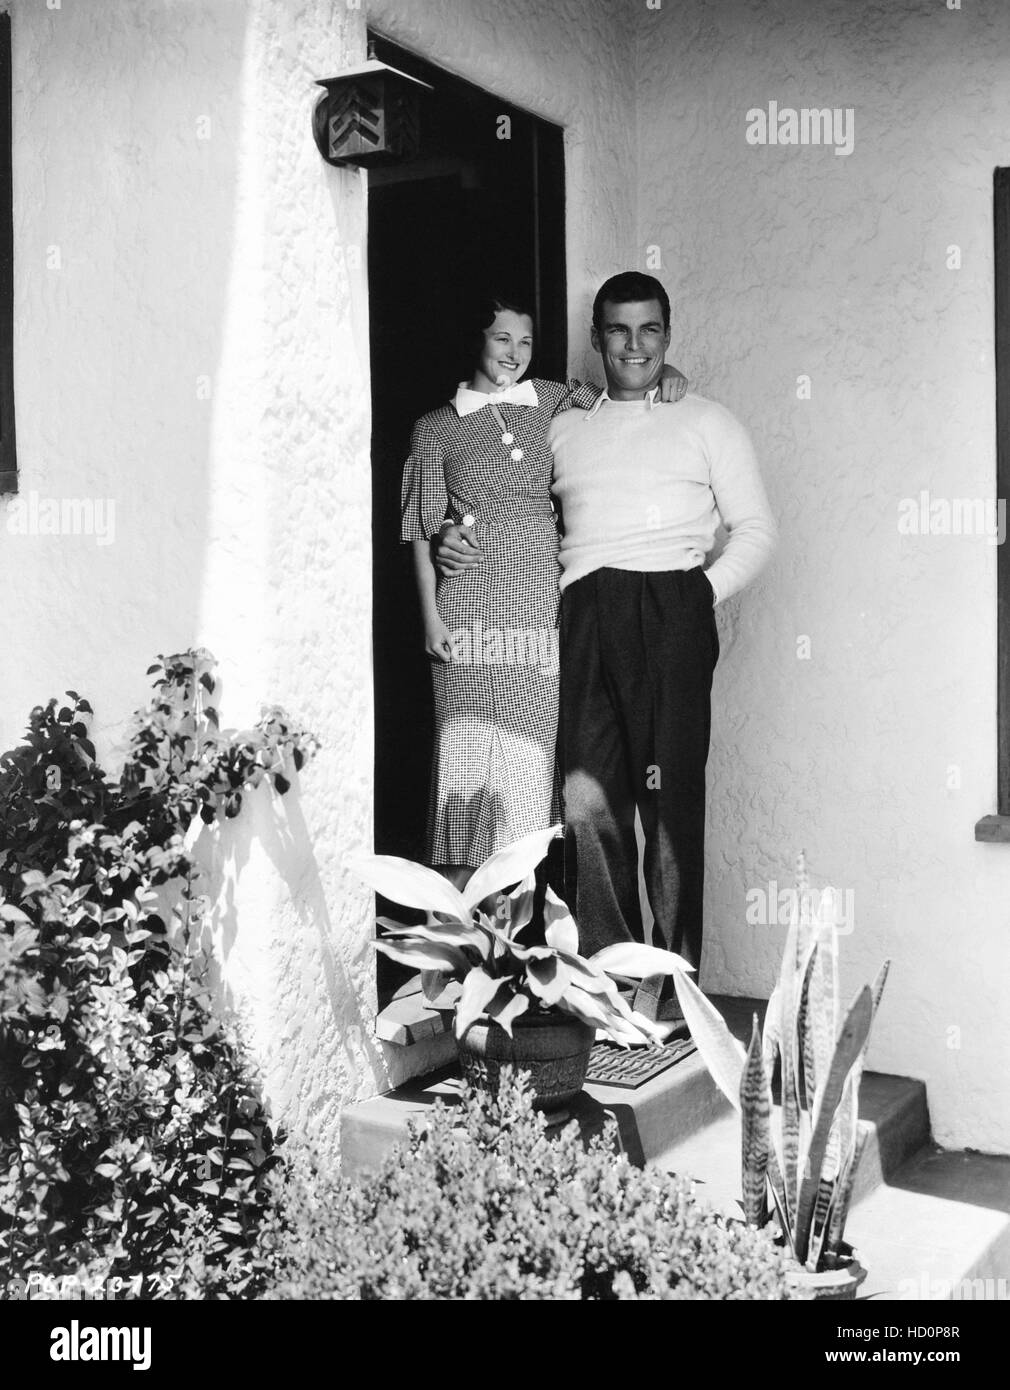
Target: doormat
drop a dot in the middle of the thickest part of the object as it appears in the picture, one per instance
(610, 1065)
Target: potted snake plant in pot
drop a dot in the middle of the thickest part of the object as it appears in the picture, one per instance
(803, 1154)
(522, 998)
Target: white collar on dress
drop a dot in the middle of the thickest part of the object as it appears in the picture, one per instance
(468, 401)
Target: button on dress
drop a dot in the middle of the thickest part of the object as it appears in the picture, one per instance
(493, 776)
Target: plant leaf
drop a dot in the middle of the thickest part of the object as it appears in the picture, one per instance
(720, 1051)
(850, 1043)
(411, 885)
(433, 982)
(823, 998)
(507, 866)
(840, 1210)
(560, 930)
(772, 1034)
(846, 1143)
(636, 961)
(796, 962)
(520, 905)
(505, 1013)
(444, 933)
(425, 955)
(756, 1107)
(877, 987)
(589, 979)
(479, 988)
(547, 977)
(602, 1016)
(837, 1155)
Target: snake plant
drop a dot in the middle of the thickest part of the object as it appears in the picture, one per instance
(804, 1153)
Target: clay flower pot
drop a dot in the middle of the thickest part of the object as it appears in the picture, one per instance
(553, 1047)
(839, 1280)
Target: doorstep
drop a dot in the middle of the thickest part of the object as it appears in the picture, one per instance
(678, 1120)
(927, 1224)
(684, 1097)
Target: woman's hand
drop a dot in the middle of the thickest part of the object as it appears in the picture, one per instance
(672, 385)
(437, 640)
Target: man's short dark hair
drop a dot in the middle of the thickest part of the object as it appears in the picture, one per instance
(630, 287)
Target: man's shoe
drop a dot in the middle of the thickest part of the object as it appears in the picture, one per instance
(657, 1008)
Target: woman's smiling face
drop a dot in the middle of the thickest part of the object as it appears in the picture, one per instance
(506, 353)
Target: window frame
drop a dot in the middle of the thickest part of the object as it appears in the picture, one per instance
(997, 827)
(8, 452)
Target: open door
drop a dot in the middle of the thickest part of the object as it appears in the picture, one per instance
(479, 208)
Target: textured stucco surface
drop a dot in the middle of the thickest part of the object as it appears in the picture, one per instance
(201, 357)
(794, 260)
(166, 149)
(195, 254)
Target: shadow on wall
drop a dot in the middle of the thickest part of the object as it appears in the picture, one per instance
(134, 173)
(284, 995)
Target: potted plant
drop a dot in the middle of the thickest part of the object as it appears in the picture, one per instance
(533, 1004)
(806, 1156)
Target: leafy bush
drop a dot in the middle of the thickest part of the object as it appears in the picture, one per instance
(482, 1204)
(132, 1142)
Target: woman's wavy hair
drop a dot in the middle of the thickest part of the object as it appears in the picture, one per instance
(484, 313)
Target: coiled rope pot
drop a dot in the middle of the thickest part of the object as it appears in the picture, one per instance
(553, 1047)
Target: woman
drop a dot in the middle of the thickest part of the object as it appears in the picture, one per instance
(491, 632)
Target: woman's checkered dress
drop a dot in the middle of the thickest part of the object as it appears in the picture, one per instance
(493, 776)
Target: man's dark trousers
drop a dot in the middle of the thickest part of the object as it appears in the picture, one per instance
(638, 651)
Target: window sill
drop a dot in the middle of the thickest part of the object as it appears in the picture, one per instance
(409, 1019)
(993, 830)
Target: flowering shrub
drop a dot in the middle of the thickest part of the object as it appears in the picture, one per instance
(131, 1139)
(482, 1204)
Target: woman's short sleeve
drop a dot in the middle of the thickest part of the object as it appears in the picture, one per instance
(578, 395)
(423, 497)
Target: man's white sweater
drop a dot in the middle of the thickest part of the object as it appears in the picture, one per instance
(644, 485)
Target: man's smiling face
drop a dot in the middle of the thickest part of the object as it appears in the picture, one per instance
(632, 342)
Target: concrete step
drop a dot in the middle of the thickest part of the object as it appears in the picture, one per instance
(678, 1119)
(893, 1106)
(938, 1229)
(684, 1098)
(927, 1224)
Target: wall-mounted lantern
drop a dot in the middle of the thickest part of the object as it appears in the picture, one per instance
(370, 115)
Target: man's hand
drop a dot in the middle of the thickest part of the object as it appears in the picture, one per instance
(672, 385)
(437, 640)
(457, 550)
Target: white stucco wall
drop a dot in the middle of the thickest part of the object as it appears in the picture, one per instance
(793, 260)
(200, 356)
(165, 151)
(196, 350)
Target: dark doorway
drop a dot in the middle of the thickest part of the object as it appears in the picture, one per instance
(472, 212)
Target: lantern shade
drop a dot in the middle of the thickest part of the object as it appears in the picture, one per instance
(370, 115)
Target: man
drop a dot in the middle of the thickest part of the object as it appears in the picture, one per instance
(642, 490)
